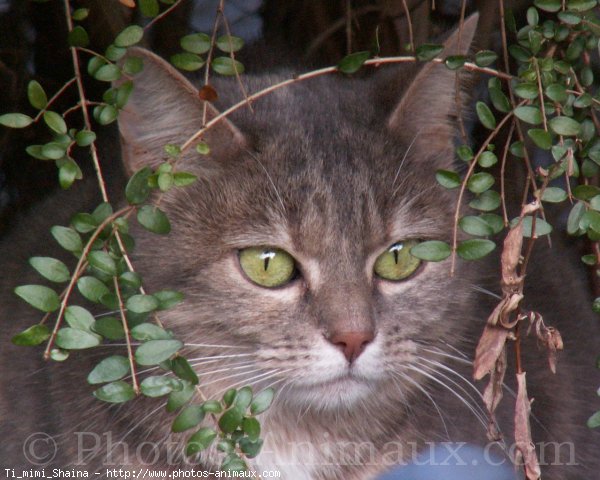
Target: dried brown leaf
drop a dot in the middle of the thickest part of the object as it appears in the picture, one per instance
(128, 3)
(492, 395)
(208, 93)
(490, 347)
(550, 338)
(523, 440)
(511, 254)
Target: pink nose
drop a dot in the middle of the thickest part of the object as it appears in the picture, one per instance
(351, 343)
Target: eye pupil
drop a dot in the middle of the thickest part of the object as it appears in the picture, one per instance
(266, 266)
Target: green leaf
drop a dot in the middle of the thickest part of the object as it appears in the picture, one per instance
(251, 427)
(178, 398)
(464, 152)
(54, 150)
(85, 138)
(485, 58)
(486, 202)
(102, 261)
(92, 288)
(554, 195)
(165, 181)
(229, 396)
(485, 115)
(168, 298)
(229, 43)
(105, 114)
(78, 37)
(447, 179)
(110, 369)
(262, 400)
(137, 189)
(116, 392)
(133, 65)
(581, 5)
(183, 370)
(157, 386)
(78, 317)
(200, 441)
(589, 259)
(212, 406)
(75, 339)
(594, 420)
(129, 36)
(487, 159)
(499, 100)
(131, 280)
(556, 92)
(32, 336)
(108, 73)
(227, 66)
(202, 148)
(585, 192)
(153, 219)
(67, 238)
(475, 226)
(110, 328)
(475, 248)
(39, 296)
(55, 122)
(454, 62)
(565, 126)
(142, 303)
(529, 114)
(352, 63)
(428, 51)
(243, 398)
(494, 221)
(187, 61)
(590, 220)
(59, 355)
(431, 251)
(149, 8)
(36, 151)
(149, 331)
(594, 202)
(114, 53)
(182, 179)
(541, 226)
(250, 448)
(188, 418)
(80, 14)
(231, 420)
(68, 173)
(36, 95)
(197, 43)
(541, 138)
(84, 222)
(480, 182)
(548, 5)
(526, 90)
(154, 352)
(574, 218)
(15, 120)
(51, 269)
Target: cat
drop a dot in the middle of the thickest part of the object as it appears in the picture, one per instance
(329, 178)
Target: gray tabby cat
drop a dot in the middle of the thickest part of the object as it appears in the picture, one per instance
(291, 250)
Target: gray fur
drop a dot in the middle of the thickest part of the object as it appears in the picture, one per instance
(333, 172)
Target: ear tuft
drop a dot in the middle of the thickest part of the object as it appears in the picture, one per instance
(165, 108)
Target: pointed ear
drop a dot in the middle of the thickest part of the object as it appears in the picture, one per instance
(427, 109)
(164, 108)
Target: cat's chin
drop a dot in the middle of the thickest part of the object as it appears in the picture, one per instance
(343, 391)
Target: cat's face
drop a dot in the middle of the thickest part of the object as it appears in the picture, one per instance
(327, 189)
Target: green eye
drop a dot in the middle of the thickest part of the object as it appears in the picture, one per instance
(266, 266)
(396, 263)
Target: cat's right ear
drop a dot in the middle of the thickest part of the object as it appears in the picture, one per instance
(164, 108)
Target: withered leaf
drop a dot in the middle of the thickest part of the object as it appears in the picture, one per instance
(523, 440)
(550, 338)
(208, 93)
(490, 347)
(128, 3)
(493, 394)
(511, 253)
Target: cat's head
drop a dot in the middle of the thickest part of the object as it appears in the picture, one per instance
(292, 248)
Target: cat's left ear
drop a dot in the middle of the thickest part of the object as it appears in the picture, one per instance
(164, 108)
(427, 113)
